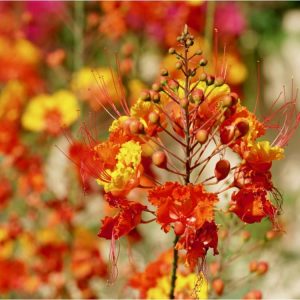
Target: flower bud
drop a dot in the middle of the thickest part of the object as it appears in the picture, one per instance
(219, 81)
(262, 268)
(136, 127)
(218, 286)
(189, 42)
(179, 228)
(173, 84)
(201, 136)
(227, 101)
(172, 51)
(203, 76)
(242, 128)
(203, 62)
(184, 102)
(253, 266)
(178, 65)
(154, 117)
(198, 52)
(145, 96)
(156, 97)
(156, 87)
(253, 295)
(222, 169)
(214, 268)
(159, 159)
(210, 80)
(164, 72)
(197, 95)
(246, 235)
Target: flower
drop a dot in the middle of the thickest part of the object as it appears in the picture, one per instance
(51, 112)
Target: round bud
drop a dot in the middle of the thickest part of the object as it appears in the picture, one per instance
(197, 95)
(203, 62)
(153, 117)
(253, 295)
(262, 268)
(218, 286)
(145, 96)
(184, 102)
(222, 169)
(234, 98)
(178, 65)
(127, 49)
(156, 87)
(192, 73)
(135, 126)
(242, 127)
(253, 266)
(179, 228)
(173, 84)
(159, 159)
(189, 42)
(198, 52)
(163, 80)
(201, 136)
(210, 80)
(164, 72)
(203, 76)
(246, 235)
(227, 101)
(156, 97)
(219, 81)
(172, 51)
(271, 234)
(214, 268)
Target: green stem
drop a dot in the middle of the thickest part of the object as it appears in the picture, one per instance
(78, 34)
(174, 269)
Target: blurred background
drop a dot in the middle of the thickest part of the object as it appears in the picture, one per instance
(54, 58)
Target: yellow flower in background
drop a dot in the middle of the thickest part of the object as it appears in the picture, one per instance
(96, 86)
(51, 112)
(21, 49)
(12, 98)
(7, 246)
(187, 287)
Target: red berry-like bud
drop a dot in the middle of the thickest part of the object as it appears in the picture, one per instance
(154, 117)
(222, 169)
(203, 76)
(218, 286)
(172, 51)
(179, 228)
(159, 159)
(164, 72)
(242, 128)
(202, 136)
(262, 268)
(253, 266)
(210, 80)
(214, 268)
(203, 62)
(246, 235)
(253, 295)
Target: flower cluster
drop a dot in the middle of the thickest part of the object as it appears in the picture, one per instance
(206, 120)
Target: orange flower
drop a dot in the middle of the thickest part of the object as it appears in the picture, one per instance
(127, 219)
(252, 205)
(189, 205)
